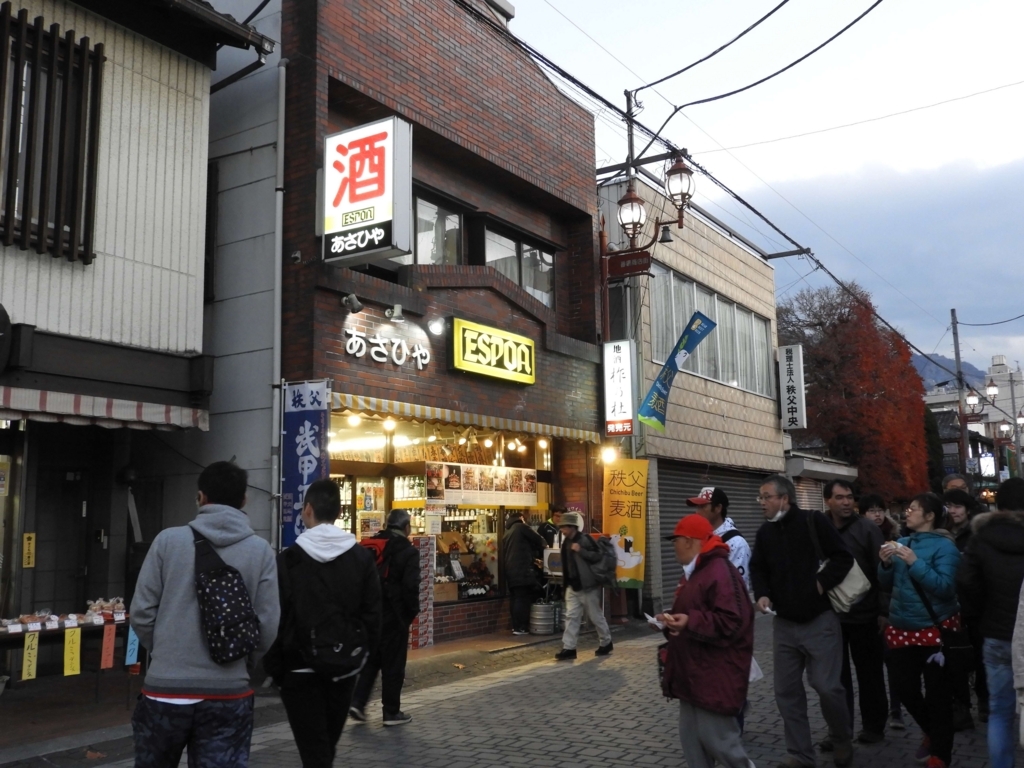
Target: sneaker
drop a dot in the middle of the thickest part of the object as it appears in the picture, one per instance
(518, 632)
(356, 715)
(565, 654)
(870, 737)
(843, 754)
(604, 650)
(826, 745)
(397, 718)
(895, 722)
(924, 752)
(934, 762)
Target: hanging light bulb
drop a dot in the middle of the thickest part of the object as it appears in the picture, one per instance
(353, 420)
(390, 424)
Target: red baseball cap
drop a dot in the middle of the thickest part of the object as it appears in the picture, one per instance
(692, 527)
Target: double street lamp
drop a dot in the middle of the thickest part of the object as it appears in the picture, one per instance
(632, 213)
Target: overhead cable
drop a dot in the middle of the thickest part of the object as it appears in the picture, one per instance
(999, 322)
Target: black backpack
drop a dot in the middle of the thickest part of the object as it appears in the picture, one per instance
(331, 643)
(230, 625)
(604, 569)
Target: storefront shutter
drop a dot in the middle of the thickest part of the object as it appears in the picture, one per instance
(808, 493)
(677, 482)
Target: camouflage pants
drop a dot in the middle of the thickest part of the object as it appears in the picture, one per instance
(217, 733)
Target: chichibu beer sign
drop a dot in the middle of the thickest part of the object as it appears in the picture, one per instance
(367, 195)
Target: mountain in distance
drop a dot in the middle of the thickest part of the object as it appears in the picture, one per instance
(931, 374)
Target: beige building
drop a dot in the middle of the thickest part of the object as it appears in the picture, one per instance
(723, 422)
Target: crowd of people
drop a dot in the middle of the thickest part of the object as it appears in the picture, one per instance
(921, 606)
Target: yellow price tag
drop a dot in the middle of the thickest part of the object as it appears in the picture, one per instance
(73, 651)
(28, 550)
(28, 664)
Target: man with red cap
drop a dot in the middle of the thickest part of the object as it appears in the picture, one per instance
(710, 632)
(713, 505)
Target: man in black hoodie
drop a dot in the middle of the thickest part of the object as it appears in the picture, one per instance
(988, 586)
(400, 584)
(785, 573)
(522, 549)
(329, 588)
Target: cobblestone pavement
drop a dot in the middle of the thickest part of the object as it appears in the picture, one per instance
(593, 713)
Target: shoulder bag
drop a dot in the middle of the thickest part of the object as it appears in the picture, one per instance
(955, 644)
(852, 588)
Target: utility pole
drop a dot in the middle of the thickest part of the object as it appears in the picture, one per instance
(964, 443)
(1016, 426)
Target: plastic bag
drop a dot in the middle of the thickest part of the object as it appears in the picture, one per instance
(755, 670)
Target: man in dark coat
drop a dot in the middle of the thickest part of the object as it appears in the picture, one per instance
(400, 592)
(988, 585)
(710, 632)
(522, 549)
(806, 633)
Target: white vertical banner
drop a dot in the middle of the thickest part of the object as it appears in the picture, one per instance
(619, 375)
(791, 391)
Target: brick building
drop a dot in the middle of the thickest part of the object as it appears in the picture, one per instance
(504, 239)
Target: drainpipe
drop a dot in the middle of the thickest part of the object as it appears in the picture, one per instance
(275, 378)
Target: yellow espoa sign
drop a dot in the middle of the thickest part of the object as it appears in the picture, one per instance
(493, 352)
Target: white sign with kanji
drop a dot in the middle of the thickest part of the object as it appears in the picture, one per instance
(367, 197)
(619, 396)
(791, 391)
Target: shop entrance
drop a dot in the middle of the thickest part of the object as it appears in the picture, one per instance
(61, 575)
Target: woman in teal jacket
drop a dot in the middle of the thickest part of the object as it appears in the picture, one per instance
(929, 558)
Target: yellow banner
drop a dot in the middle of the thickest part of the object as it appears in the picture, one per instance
(625, 517)
(28, 550)
(73, 651)
(28, 662)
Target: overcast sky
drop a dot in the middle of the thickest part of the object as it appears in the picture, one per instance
(925, 207)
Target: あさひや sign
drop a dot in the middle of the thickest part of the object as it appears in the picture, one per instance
(304, 457)
(367, 195)
(791, 393)
(492, 352)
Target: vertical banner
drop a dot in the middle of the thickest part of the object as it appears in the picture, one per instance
(625, 517)
(28, 550)
(72, 651)
(652, 411)
(5, 475)
(131, 651)
(31, 657)
(421, 631)
(619, 397)
(304, 457)
(794, 404)
(107, 652)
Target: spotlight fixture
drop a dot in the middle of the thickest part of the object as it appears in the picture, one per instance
(488, 443)
(472, 439)
(434, 435)
(436, 326)
(446, 450)
(521, 448)
(542, 444)
(394, 314)
(390, 424)
(353, 420)
(352, 304)
(609, 454)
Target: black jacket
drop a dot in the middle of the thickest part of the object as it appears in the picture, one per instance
(991, 572)
(401, 588)
(962, 537)
(521, 546)
(357, 596)
(863, 538)
(576, 570)
(784, 566)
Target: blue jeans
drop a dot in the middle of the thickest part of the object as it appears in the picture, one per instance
(1001, 702)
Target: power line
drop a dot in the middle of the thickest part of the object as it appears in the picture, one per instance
(858, 122)
(763, 79)
(710, 55)
(1000, 322)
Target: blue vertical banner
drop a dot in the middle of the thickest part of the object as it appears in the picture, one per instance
(652, 410)
(131, 649)
(304, 457)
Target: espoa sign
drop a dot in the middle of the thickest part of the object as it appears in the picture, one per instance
(492, 352)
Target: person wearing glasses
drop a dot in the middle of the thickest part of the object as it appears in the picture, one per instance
(791, 582)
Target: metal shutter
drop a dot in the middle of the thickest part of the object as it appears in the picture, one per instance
(678, 482)
(808, 493)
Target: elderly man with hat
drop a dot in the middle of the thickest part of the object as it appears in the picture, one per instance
(710, 632)
(713, 505)
(582, 592)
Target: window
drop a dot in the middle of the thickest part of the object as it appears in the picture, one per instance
(49, 135)
(523, 264)
(438, 234)
(738, 352)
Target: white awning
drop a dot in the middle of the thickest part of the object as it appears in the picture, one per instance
(41, 405)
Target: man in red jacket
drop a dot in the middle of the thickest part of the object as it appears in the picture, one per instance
(710, 633)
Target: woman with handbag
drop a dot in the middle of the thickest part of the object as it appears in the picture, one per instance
(921, 571)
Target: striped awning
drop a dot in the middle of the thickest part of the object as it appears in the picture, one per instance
(358, 404)
(41, 405)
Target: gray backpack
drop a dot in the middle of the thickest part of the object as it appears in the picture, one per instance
(604, 569)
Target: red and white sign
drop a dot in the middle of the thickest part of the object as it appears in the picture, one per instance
(619, 396)
(367, 198)
(629, 264)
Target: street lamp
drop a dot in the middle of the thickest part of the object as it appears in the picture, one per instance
(991, 390)
(679, 186)
(632, 214)
(972, 398)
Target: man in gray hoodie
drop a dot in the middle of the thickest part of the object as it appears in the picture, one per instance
(187, 698)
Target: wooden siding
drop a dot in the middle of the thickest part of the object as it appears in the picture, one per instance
(145, 287)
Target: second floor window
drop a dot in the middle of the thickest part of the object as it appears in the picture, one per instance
(523, 264)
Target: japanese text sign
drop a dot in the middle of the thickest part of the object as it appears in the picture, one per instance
(107, 649)
(629, 264)
(5, 476)
(619, 397)
(304, 457)
(131, 652)
(31, 657)
(625, 517)
(655, 404)
(791, 393)
(367, 197)
(28, 550)
(385, 349)
(73, 651)
(492, 352)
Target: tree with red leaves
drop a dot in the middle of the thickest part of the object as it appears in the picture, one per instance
(864, 397)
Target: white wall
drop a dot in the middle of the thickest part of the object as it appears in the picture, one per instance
(145, 287)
